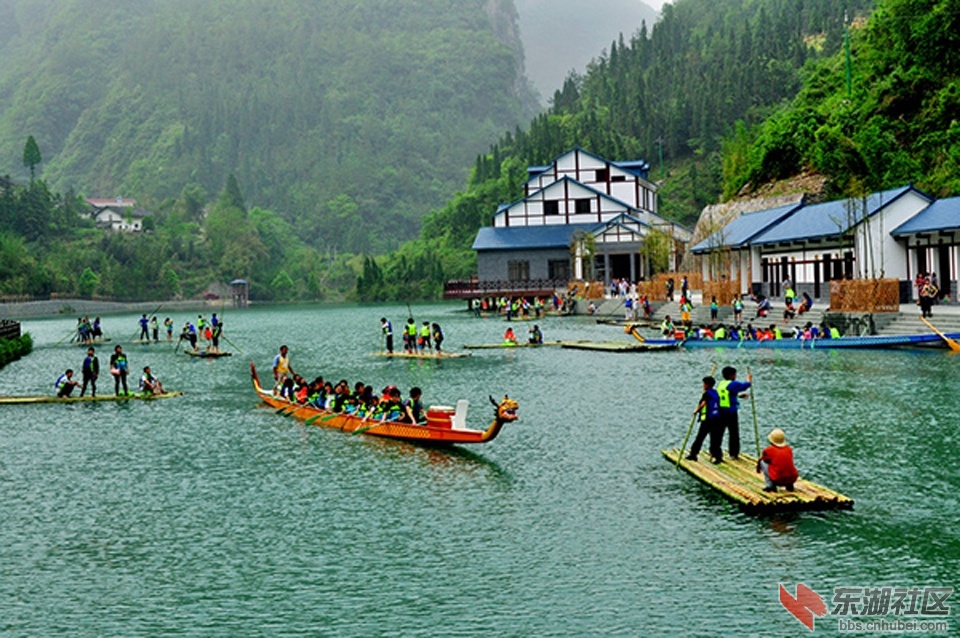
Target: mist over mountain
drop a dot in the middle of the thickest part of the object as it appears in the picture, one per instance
(348, 117)
(560, 36)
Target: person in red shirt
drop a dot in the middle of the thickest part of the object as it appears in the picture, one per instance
(776, 463)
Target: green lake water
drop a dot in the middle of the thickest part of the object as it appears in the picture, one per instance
(209, 515)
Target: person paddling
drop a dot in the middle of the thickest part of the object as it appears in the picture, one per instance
(708, 411)
(729, 390)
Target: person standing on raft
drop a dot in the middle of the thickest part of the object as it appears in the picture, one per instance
(387, 329)
(709, 415)
(90, 370)
(728, 390)
(776, 463)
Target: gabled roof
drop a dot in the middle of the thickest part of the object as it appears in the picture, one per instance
(529, 237)
(113, 202)
(942, 215)
(739, 232)
(566, 178)
(829, 219)
(638, 167)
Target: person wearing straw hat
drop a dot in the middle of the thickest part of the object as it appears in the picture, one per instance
(776, 463)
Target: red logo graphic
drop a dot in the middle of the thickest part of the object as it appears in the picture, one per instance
(803, 607)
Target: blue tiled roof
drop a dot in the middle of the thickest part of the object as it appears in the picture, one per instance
(943, 215)
(744, 228)
(521, 237)
(825, 220)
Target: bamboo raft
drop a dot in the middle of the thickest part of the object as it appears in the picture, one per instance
(88, 399)
(619, 346)
(206, 354)
(425, 355)
(739, 481)
(522, 344)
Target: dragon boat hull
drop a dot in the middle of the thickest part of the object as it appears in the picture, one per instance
(420, 434)
(873, 341)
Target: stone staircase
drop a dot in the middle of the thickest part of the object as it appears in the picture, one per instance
(909, 323)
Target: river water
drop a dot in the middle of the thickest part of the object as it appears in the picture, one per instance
(209, 515)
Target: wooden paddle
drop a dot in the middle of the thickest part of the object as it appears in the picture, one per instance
(753, 404)
(953, 345)
(319, 417)
(369, 427)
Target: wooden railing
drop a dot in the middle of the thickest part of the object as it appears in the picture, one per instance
(474, 288)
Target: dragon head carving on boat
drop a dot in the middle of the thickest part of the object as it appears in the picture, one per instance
(506, 410)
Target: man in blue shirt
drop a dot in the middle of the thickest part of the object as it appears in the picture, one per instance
(728, 390)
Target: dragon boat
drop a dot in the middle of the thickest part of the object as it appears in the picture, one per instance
(870, 341)
(137, 396)
(445, 425)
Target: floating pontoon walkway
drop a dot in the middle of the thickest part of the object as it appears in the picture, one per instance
(739, 481)
(425, 355)
(620, 346)
(138, 396)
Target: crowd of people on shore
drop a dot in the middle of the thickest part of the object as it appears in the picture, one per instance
(524, 307)
(119, 369)
(338, 398)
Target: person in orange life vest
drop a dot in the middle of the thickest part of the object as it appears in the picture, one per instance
(776, 463)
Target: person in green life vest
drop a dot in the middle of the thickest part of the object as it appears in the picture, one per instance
(410, 337)
(729, 389)
(737, 309)
(423, 342)
(667, 327)
(215, 335)
(150, 384)
(65, 384)
(714, 309)
(720, 333)
(776, 331)
(119, 368)
(90, 371)
(536, 336)
(168, 324)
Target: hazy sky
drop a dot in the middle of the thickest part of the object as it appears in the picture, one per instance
(656, 4)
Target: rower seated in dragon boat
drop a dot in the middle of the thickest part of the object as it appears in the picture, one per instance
(362, 411)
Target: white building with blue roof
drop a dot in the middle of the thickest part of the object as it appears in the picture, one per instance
(812, 244)
(932, 238)
(539, 238)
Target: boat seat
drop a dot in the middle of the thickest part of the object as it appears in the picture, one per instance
(460, 415)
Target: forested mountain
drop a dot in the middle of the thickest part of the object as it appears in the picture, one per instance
(897, 121)
(351, 118)
(685, 83)
(561, 36)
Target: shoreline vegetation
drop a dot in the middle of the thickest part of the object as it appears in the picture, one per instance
(13, 349)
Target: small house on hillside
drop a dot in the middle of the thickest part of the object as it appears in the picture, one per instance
(581, 217)
(121, 214)
(812, 244)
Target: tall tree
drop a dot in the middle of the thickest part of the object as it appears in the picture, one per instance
(31, 156)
